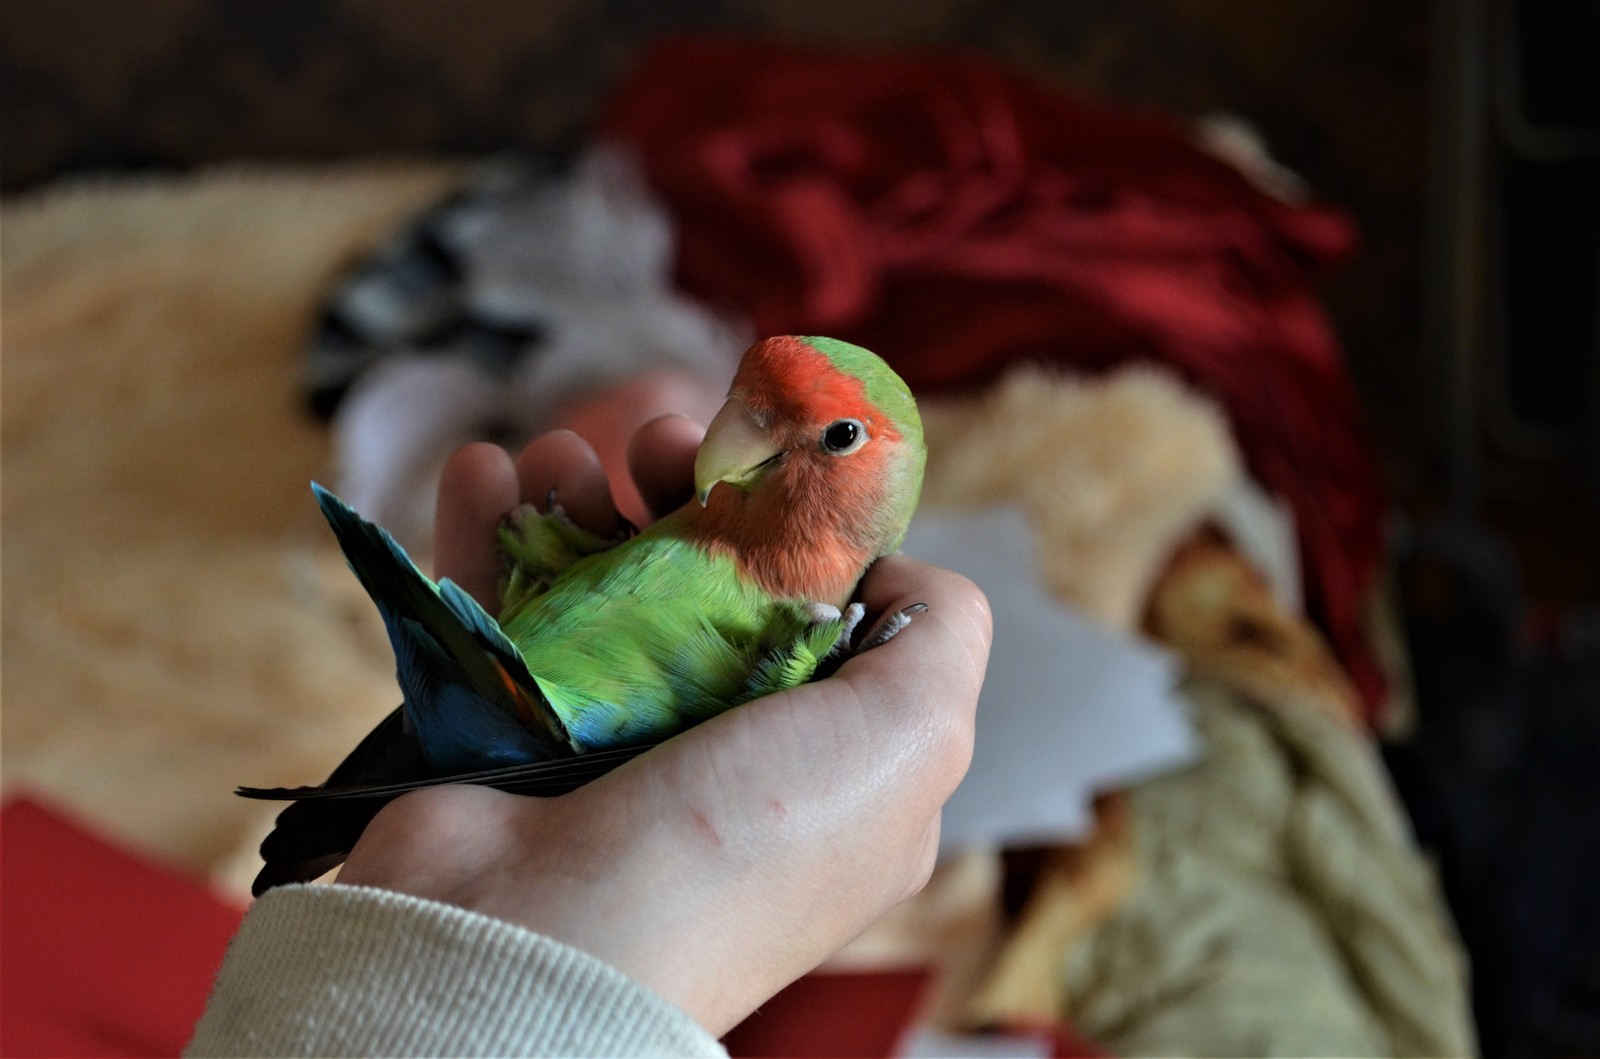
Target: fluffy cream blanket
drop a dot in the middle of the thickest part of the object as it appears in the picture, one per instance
(173, 622)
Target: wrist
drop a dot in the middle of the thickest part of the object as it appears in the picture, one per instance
(625, 889)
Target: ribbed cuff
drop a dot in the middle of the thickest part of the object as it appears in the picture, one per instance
(346, 970)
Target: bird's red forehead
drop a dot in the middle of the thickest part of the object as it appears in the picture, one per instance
(787, 378)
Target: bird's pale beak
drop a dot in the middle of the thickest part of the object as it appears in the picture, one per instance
(736, 450)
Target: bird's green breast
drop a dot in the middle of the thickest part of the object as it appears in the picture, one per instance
(643, 640)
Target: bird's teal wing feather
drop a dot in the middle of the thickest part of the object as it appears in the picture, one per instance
(469, 698)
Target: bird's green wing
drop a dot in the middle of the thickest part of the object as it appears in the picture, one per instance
(540, 546)
(793, 663)
(642, 641)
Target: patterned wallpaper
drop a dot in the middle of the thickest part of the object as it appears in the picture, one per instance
(1337, 86)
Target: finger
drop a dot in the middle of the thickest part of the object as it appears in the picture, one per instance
(898, 581)
(661, 460)
(564, 462)
(925, 680)
(609, 416)
(926, 859)
(478, 487)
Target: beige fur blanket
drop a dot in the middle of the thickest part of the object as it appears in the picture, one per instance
(173, 622)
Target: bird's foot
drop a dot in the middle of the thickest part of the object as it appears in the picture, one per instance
(554, 514)
(541, 545)
(821, 613)
(849, 618)
(553, 509)
(886, 630)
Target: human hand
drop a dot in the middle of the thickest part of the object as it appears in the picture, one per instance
(608, 417)
(733, 858)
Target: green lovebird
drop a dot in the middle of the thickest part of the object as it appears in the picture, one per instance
(809, 473)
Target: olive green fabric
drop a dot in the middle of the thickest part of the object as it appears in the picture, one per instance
(1283, 908)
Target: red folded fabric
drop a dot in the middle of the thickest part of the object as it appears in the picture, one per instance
(832, 1015)
(957, 220)
(105, 953)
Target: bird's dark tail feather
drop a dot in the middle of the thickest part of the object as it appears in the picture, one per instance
(315, 834)
(305, 843)
(311, 839)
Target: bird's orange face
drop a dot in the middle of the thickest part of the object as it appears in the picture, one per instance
(793, 470)
(789, 405)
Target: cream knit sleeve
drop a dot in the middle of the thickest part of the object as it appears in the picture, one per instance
(346, 970)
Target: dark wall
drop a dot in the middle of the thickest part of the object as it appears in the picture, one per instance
(1337, 87)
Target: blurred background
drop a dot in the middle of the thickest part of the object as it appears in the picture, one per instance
(1452, 149)
(1459, 138)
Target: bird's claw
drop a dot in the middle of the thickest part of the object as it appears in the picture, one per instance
(882, 633)
(890, 627)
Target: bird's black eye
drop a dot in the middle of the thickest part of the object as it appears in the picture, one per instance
(844, 436)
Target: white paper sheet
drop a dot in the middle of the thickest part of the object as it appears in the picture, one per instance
(1069, 707)
(925, 1042)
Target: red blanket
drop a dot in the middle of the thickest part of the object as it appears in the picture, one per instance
(105, 952)
(109, 954)
(956, 219)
